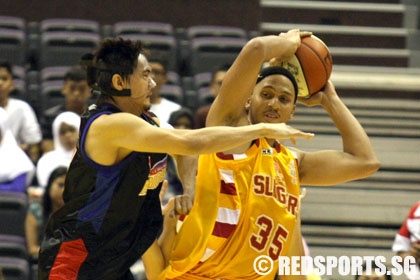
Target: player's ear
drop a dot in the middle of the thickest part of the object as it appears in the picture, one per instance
(117, 82)
(248, 105)
(292, 113)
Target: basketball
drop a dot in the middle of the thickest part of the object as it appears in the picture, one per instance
(311, 65)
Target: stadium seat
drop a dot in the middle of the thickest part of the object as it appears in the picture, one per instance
(197, 31)
(173, 92)
(13, 246)
(204, 96)
(64, 48)
(173, 78)
(13, 46)
(69, 24)
(159, 45)
(13, 207)
(51, 93)
(202, 80)
(143, 27)
(53, 73)
(15, 268)
(11, 22)
(206, 52)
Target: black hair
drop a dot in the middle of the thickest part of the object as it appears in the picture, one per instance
(113, 56)
(183, 112)
(277, 70)
(46, 201)
(7, 65)
(76, 73)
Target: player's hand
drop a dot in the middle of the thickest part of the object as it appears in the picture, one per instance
(282, 131)
(321, 97)
(294, 35)
(183, 204)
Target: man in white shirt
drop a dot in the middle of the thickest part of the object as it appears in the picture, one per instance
(22, 118)
(161, 106)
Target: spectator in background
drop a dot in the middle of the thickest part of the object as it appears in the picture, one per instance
(40, 211)
(65, 130)
(216, 81)
(407, 240)
(371, 275)
(160, 106)
(180, 119)
(22, 118)
(16, 168)
(77, 94)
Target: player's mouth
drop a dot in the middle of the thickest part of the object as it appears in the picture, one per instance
(271, 116)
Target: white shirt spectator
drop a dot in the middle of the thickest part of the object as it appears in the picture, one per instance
(164, 109)
(23, 122)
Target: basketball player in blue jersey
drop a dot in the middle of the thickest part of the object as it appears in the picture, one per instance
(112, 212)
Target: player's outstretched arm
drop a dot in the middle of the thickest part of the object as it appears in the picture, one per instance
(125, 132)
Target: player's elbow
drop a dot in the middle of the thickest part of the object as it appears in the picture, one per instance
(371, 166)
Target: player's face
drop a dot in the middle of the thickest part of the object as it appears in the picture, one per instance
(68, 136)
(6, 83)
(56, 191)
(76, 92)
(141, 82)
(272, 100)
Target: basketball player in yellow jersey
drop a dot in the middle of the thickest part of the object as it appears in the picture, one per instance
(247, 198)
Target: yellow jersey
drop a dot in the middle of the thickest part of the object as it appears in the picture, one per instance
(244, 207)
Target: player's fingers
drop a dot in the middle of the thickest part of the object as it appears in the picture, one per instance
(163, 190)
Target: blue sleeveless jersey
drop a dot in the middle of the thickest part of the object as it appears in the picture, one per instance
(111, 214)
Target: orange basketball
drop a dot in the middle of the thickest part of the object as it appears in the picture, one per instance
(311, 65)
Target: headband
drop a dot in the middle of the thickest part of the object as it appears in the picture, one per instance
(87, 60)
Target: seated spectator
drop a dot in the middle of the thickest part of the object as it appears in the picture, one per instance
(65, 130)
(39, 211)
(161, 106)
(76, 92)
(216, 81)
(22, 118)
(16, 168)
(180, 119)
(372, 275)
(407, 240)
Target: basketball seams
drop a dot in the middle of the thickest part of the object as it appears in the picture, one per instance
(320, 59)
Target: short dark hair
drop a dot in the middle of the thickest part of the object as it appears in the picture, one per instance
(277, 70)
(76, 73)
(7, 66)
(113, 56)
